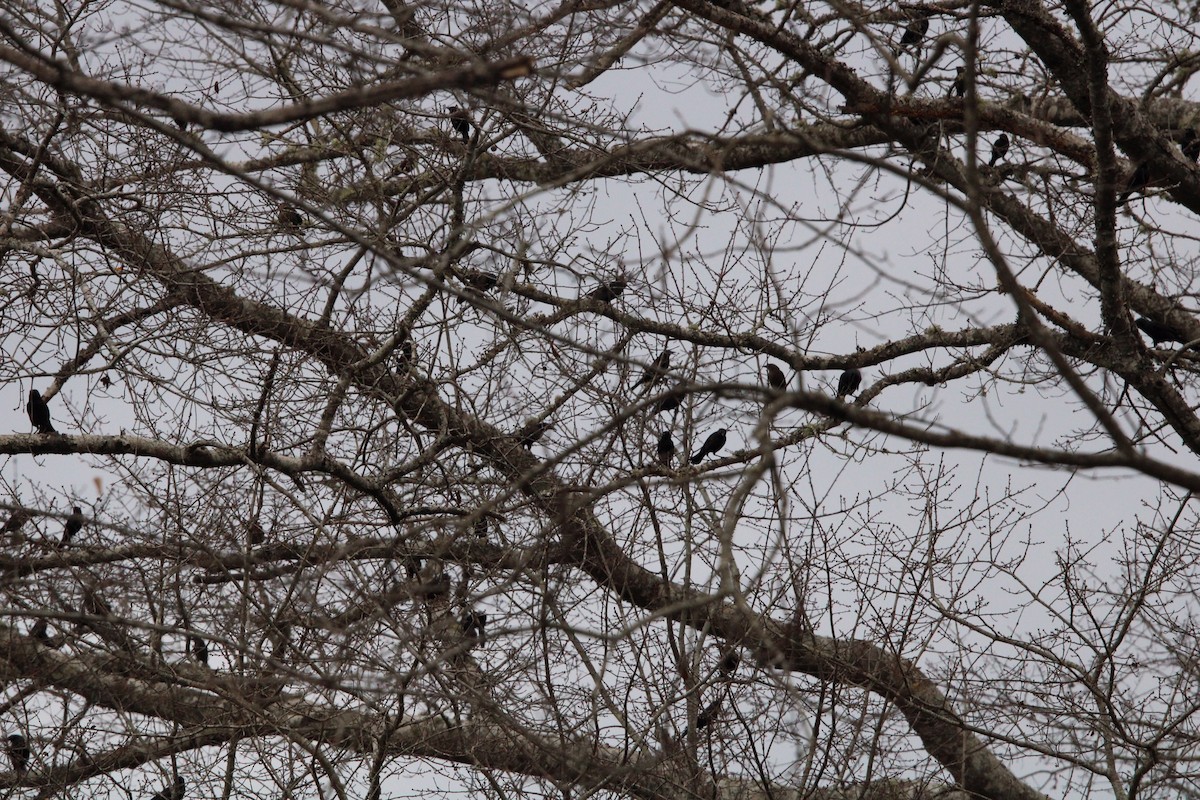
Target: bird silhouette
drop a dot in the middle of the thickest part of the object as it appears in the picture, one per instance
(711, 446)
(1190, 145)
(915, 31)
(959, 87)
(39, 412)
(999, 149)
(478, 282)
(608, 291)
(656, 369)
(15, 522)
(665, 449)
(1158, 332)
(18, 753)
(198, 649)
(473, 623)
(73, 526)
(290, 219)
(729, 663)
(532, 432)
(775, 377)
(460, 120)
(671, 400)
(41, 632)
(1138, 181)
(709, 714)
(173, 792)
(849, 382)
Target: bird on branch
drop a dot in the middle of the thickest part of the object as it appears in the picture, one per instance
(848, 382)
(999, 149)
(711, 446)
(39, 412)
(656, 370)
(775, 377)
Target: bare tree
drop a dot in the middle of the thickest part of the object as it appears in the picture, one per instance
(647, 399)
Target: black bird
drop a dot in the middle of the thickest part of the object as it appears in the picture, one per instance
(473, 623)
(481, 528)
(1138, 181)
(16, 522)
(712, 444)
(199, 649)
(999, 149)
(39, 412)
(665, 449)
(708, 715)
(1190, 145)
(173, 792)
(290, 219)
(775, 377)
(1158, 332)
(41, 632)
(730, 661)
(656, 369)
(531, 433)
(959, 87)
(671, 400)
(481, 281)
(915, 32)
(478, 282)
(849, 382)
(256, 533)
(607, 292)
(460, 120)
(18, 752)
(73, 526)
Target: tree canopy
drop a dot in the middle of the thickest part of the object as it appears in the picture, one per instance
(654, 400)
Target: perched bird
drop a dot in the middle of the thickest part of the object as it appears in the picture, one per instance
(18, 752)
(775, 377)
(849, 382)
(481, 280)
(531, 433)
(473, 623)
(1138, 181)
(712, 444)
(39, 412)
(729, 663)
(671, 400)
(432, 586)
(478, 282)
(405, 352)
(73, 526)
(480, 528)
(708, 715)
(609, 291)
(959, 87)
(290, 219)
(41, 632)
(256, 533)
(656, 369)
(198, 649)
(1158, 332)
(1190, 144)
(999, 149)
(665, 449)
(460, 120)
(173, 792)
(915, 32)
(15, 522)
(413, 567)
